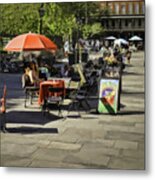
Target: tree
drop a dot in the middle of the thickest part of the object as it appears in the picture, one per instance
(57, 22)
(19, 18)
(60, 19)
(91, 30)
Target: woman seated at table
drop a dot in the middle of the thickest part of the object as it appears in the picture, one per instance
(30, 76)
(34, 72)
(27, 78)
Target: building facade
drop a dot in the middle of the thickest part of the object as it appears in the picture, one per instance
(124, 18)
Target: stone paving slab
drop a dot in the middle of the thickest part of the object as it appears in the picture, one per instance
(65, 146)
(85, 134)
(13, 161)
(14, 149)
(126, 144)
(104, 142)
(126, 164)
(50, 164)
(123, 118)
(137, 154)
(49, 154)
(88, 158)
(98, 148)
(18, 138)
(115, 135)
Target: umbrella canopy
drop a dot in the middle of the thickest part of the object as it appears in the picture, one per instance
(30, 42)
(121, 41)
(135, 38)
(110, 38)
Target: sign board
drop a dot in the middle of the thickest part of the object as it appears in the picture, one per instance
(108, 96)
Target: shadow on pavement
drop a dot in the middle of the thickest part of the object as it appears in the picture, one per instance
(119, 113)
(29, 117)
(32, 130)
(131, 112)
(132, 73)
(132, 93)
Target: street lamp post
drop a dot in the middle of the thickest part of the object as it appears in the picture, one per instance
(77, 51)
(41, 14)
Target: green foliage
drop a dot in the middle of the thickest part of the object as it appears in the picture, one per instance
(60, 19)
(96, 28)
(18, 18)
(86, 31)
(91, 30)
(58, 22)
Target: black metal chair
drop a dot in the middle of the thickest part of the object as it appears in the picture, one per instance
(92, 81)
(30, 93)
(78, 99)
(56, 97)
(30, 90)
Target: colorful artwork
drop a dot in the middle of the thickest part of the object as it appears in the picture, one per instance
(108, 96)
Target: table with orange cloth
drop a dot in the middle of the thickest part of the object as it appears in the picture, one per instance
(44, 89)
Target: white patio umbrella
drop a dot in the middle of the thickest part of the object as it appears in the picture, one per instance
(120, 41)
(135, 38)
(110, 38)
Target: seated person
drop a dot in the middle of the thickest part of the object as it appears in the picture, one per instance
(43, 72)
(71, 72)
(34, 73)
(65, 71)
(30, 76)
(27, 78)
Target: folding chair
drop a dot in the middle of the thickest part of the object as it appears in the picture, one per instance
(92, 82)
(3, 109)
(78, 98)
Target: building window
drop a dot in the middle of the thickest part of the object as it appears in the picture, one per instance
(126, 22)
(133, 23)
(107, 24)
(137, 8)
(110, 7)
(139, 22)
(143, 9)
(116, 8)
(130, 8)
(123, 9)
(119, 24)
(113, 23)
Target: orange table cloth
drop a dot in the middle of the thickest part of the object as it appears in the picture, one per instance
(44, 92)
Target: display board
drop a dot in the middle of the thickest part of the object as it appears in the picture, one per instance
(108, 96)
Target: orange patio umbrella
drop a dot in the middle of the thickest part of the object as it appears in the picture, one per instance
(30, 42)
